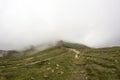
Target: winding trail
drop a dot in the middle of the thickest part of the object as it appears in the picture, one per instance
(78, 69)
(76, 53)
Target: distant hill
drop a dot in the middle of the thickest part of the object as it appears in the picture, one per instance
(72, 45)
(8, 53)
(63, 61)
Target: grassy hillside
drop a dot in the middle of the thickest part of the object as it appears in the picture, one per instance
(52, 64)
(103, 64)
(66, 61)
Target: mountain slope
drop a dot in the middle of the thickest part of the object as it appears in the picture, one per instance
(103, 64)
(65, 61)
(53, 64)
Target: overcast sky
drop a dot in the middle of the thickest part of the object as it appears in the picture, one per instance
(95, 23)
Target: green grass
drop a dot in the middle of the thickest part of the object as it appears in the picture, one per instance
(103, 64)
(59, 63)
(53, 64)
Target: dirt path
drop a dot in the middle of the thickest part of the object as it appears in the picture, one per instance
(76, 53)
(78, 72)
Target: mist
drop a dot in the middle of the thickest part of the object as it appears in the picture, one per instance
(95, 23)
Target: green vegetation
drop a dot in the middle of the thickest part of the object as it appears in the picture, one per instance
(66, 61)
(76, 46)
(52, 64)
(103, 64)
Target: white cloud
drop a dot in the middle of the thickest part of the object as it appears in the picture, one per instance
(92, 22)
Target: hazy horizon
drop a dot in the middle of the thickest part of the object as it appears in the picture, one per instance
(95, 23)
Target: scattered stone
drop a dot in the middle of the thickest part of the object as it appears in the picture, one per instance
(61, 72)
(58, 65)
(76, 56)
(116, 61)
(48, 62)
(52, 70)
(49, 68)
(32, 78)
(86, 78)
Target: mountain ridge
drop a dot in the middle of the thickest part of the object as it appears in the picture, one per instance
(64, 61)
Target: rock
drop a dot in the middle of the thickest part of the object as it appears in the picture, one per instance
(58, 65)
(49, 68)
(52, 70)
(61, 72)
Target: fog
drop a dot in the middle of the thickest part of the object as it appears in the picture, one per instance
(95, 23)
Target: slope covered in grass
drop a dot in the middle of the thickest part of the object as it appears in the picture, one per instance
(103, 64)
(54, 64)
(65, 61)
